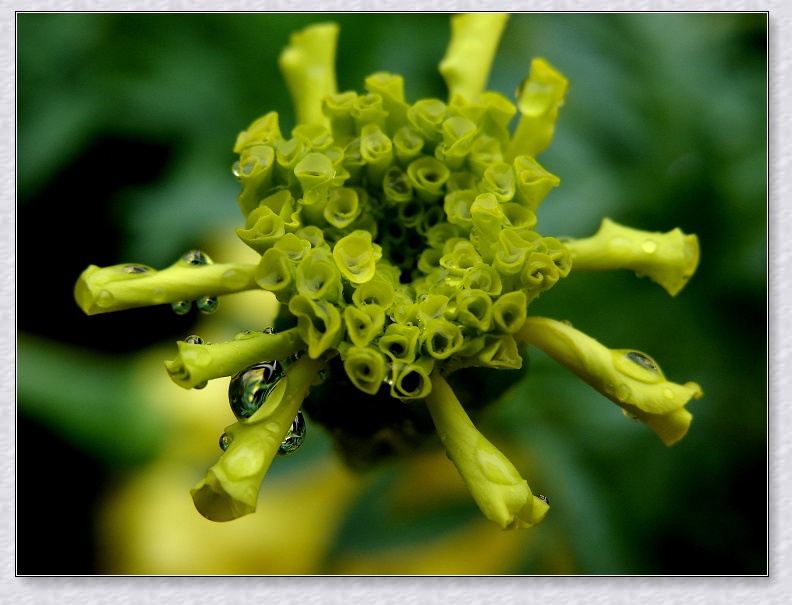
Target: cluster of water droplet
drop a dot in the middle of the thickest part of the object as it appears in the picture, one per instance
(248, 391)
(205, 304)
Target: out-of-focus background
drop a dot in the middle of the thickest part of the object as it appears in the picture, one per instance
(125, 129)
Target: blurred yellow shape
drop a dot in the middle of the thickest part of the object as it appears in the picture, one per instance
(149, 526)
(473, 549)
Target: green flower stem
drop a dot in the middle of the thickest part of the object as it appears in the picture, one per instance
(632, 380)
(230, 488)
(391, 88)
(468, 59)
(500, 492)
(669, 259)
(308, 66)
(196, 363)
(119, 287)
(538, 100)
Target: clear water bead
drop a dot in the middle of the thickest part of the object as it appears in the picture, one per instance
(630, 416)
(197, 258)
(225, 441)
(642, 360)
(248, 390)
(294, 437)
(201, 385)
(135, 269)
(194, 340)
(207, 304)
(269, 330)
(543, 498)
(181, 307)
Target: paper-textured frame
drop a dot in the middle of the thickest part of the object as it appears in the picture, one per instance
(424, 590)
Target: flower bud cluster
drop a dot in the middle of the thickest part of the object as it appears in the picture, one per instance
(401, 235)
(403, 238)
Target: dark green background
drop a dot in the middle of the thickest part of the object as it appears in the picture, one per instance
(125, 129)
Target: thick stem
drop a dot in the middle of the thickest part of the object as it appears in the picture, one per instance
(539, 99)
(629, 378)
(468, 59)
(197, 363)
(669, 259)
(500, 492)
(101, 290)
(308, 65)
(230, 488)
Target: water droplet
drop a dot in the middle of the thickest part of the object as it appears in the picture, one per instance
(620, 242)
(566, 322)
(235, 169)
(105, 299)
(322, 375)
(269, 330)
(225, 441)
(201, 385)
(389, 371)
(272, 427)
(194, 340)
(610, 388)
(248, 390)
(642, 360)
(294, 437)
(623, 392)
(135, 269)
(197, 258)
(649, 246)
(207, 304)
(668, 393)
(631, 416)
(244, 334)
(181, 307)
(543, 498)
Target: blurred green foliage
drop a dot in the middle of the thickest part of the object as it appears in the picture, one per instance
(125, 129)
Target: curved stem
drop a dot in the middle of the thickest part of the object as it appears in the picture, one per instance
(119, 287)
(230, 488)
(500, 492)
(468, 59)
(669, 259)
(196, 363)
(308, 65)
(631, 379)
(539, 99)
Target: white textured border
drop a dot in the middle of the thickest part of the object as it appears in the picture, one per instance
(408, 591)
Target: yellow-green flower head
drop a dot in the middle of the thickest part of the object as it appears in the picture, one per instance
(402, 237)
